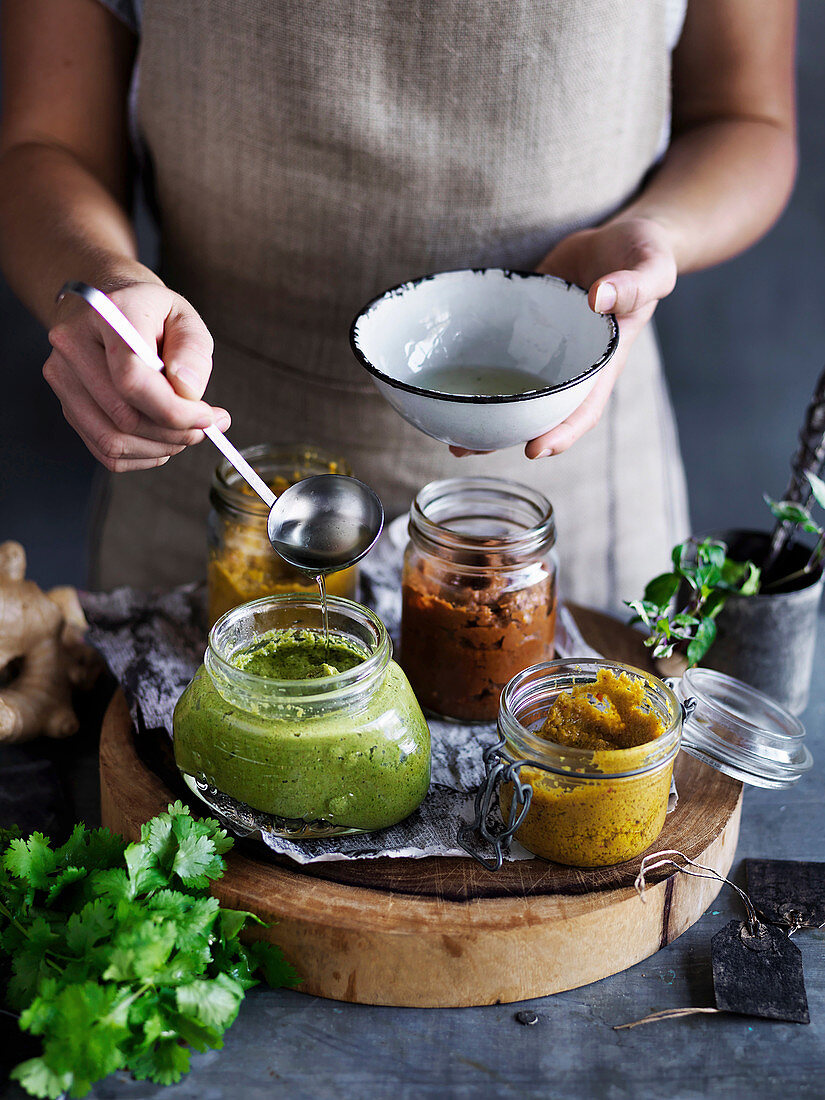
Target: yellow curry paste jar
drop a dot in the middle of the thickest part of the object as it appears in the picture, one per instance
(242, 565)
(587, 803)
(586, 749)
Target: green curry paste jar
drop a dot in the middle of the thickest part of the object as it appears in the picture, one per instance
(300, 735)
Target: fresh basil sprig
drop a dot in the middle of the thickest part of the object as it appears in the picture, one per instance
(120, 957)
(709, 577)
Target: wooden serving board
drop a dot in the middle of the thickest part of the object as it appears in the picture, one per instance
(445, 932)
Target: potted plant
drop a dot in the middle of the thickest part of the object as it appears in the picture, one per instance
(747, 602)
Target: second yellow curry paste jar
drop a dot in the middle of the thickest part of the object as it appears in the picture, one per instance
(601, 797)
(586, 749)
(242, 565)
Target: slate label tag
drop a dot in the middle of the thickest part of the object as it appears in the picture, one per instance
(758, 974)
(786, 891)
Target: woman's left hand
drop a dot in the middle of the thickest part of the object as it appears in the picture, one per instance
(627, 266)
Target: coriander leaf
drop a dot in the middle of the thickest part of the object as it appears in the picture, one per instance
(214, 1002)
(164, 833)
(31, 963)
(32, 860)
(94, 922)
(86, 1023)
(113, 884)
(94, 849)
(231, 922)
(140, 950)
(196, 926)
(144, 874)
(197, 1035)
(165, 1062)
(60, 881)
(39, 1080)
(156, 836)
(197, 860)
(125, 956)
(270, 961)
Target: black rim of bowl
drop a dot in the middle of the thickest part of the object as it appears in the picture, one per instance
(487, 399)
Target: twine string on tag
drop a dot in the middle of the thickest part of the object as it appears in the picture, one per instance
(665, 1014)
(664, 859)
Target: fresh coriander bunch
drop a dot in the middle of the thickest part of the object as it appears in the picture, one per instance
(120, 957)
(709, 576)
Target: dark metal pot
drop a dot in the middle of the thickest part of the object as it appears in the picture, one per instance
(768, 640)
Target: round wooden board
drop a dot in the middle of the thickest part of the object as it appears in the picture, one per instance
(445, 932)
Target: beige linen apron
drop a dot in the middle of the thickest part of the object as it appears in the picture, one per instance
(308, 155)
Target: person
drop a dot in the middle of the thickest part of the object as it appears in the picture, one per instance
(304, 157)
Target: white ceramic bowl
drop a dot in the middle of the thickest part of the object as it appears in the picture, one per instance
(486, 318)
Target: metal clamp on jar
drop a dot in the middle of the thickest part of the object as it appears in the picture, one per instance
(591, 808)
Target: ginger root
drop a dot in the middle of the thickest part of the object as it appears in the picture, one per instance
(42, 653)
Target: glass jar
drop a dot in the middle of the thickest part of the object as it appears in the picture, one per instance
(595, 807)
(479, 592)
(241, 564)
(341, 753)
(588, 807)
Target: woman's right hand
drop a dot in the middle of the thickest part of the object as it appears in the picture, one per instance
(130, 416)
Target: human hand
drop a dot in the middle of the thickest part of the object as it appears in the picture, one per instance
(128, 415)
(628, 266)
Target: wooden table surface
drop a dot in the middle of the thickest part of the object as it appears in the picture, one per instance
(289, 1045)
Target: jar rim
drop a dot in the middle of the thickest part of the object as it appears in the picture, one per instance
(570, 760)
(535, 537)
(227, 482)
(320, 687)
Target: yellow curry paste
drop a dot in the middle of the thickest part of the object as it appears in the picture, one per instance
(593, 820)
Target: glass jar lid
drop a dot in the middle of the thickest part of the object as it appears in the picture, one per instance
(740, 731)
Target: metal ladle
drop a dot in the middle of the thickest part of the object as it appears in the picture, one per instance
(320, 524)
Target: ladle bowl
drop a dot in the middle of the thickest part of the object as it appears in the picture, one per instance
(325, 523)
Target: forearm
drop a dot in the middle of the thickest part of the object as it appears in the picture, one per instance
(58, 222)
(722, 184)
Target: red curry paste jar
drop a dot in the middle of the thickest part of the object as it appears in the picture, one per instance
(479, 592)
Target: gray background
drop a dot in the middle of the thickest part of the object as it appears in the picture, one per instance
(743, 346)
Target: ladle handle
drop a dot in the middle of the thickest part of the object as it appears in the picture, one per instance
(118, 320)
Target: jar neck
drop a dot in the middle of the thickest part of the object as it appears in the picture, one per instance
(527, 698)
(263, 695)
(230, 493)
(482, 521)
